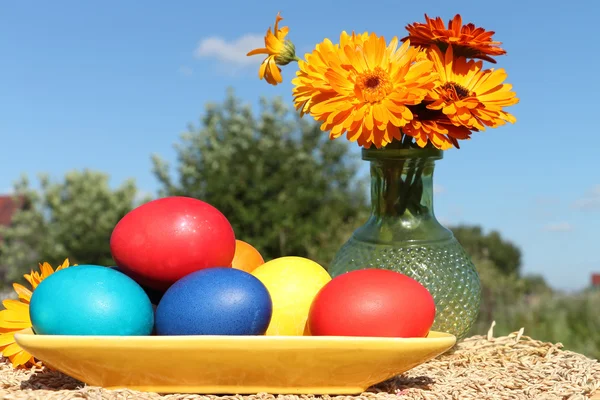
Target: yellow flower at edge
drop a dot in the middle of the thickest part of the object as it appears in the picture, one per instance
(279, 50)
(15, 317)
(469, 96)
(362, 87)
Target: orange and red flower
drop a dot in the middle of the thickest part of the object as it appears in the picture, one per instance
(468, 41)
(430, 88)
(433, 126)
(468, 95)
(363, 87)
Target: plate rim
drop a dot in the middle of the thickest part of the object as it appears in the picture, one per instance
(151, 348)
(28, 334)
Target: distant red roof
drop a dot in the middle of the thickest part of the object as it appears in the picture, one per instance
(595, 279)
(8, 206)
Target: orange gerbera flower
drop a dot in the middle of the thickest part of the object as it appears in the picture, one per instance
(435, 127)
(362, 87)
(279, 50)
(15, 317)
(467, 40)
(469, 96)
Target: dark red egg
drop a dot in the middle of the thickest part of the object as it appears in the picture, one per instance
(166, 239)
(372, 302)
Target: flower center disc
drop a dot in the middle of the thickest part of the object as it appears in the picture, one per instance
(374, 85)
(453, 91)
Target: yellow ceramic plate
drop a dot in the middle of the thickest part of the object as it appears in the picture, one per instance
(234, 364)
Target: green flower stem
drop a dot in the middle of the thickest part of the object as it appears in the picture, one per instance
(404, 188)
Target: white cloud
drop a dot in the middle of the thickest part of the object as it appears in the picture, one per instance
(558, 227)
(438, 189)
(590, 201)
(184, 70)
(231, 52)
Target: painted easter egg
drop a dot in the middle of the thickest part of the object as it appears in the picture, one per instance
(166, 239)
(246, 257)
(372, 302)
(90, 300)
(215, 301)
(293, 282)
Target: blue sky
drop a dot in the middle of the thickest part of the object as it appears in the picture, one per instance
(103, 85)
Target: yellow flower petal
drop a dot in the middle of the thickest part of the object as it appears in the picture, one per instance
(23, 293)
(274, 45)
(468, 95)
(46, 270)
(16, 305)
(7, 338)
(493, 80)
(274, 72)
(11, 350)
(362, 87)
(262, 68)
(21, 358)
(29, 278)
(258, 51)
(15, 319)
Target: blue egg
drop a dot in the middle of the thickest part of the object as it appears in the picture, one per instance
(215, 301)
(90, 300)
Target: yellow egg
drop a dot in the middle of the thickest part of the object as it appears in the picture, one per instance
(293, 283)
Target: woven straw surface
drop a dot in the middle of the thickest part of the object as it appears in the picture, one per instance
(481, 367)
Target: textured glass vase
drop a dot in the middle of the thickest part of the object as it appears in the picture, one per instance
(403, 234)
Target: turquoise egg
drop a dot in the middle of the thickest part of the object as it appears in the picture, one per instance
(90, 300)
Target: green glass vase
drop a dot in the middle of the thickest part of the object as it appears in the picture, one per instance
(402, 234)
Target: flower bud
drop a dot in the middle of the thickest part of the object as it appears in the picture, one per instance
(287, 55)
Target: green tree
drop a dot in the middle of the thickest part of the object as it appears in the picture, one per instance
(283, 185)
(72, 218)
(505, 292)
(535, 285)
(499, 293)
(503, 254)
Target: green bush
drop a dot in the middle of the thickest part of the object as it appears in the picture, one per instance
(522, 302)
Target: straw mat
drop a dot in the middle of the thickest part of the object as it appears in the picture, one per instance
(480, 367)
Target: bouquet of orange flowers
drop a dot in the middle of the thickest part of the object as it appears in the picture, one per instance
(429, 88)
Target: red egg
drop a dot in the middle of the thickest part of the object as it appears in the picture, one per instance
(372, 302)
(164, 240)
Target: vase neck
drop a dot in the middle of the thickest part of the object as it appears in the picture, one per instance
(402, 196)
(402, 182)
